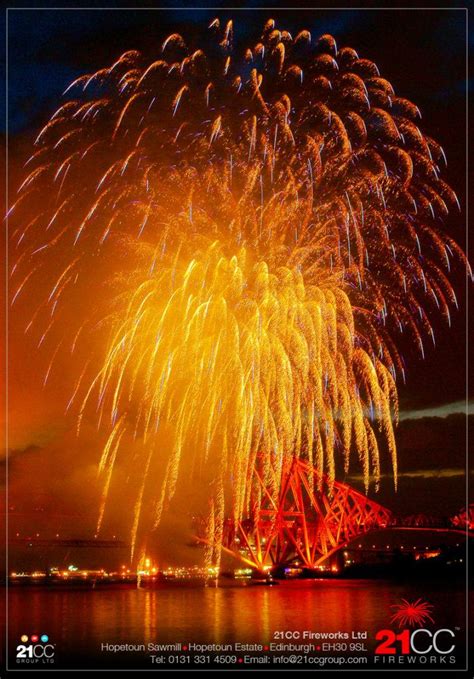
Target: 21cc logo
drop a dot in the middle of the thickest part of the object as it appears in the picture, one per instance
(37, 651)
(418, 641)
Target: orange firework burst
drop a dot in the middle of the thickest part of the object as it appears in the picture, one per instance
(412, 613)
(258, 227)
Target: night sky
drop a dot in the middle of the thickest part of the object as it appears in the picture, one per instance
(422, 53)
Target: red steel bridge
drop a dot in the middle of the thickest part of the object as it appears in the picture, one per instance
(313, 518)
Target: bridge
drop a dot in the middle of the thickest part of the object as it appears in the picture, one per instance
(69, 542)
(314, 517)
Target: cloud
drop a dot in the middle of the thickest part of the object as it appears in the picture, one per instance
(419, 474)
(445, 410)
(431, 458)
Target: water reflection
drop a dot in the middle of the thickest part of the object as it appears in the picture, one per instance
(80, 620)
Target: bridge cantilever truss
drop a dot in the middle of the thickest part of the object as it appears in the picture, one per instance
(312, 518)
(309, 521)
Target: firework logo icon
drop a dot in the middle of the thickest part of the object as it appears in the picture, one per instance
(412, 613)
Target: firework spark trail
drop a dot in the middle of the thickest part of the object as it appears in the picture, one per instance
(261, 224)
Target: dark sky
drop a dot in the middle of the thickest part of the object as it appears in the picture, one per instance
(422, 52)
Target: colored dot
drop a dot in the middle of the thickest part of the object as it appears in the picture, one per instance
(44, 638)
(24, 638)
(318, 648)
(265, 648)
(241, 660)
(185, 648)
(34, 638)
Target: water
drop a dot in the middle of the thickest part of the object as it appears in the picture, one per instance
(79, 621)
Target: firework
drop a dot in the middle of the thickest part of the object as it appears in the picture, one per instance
(412, 613)
(257, 227)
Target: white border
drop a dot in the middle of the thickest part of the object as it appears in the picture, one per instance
(235, 9)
